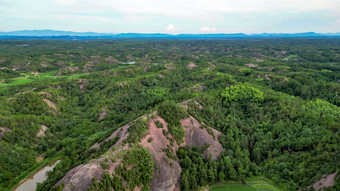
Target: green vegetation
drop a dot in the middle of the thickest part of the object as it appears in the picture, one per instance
(232, 188)
(276, 104)
(255, 183)
(159, 124)
(172, 113)
(136, 170)
(290, 57)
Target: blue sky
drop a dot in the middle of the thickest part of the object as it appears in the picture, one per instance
(175, 16)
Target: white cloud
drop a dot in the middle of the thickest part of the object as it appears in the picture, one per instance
(200, 8)
(171, 28)
(150, 15)
(206, 29)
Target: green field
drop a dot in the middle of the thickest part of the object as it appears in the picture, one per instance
(256, 183)
(290, 57)
(262, 184)
(233, 188)
(30, 78)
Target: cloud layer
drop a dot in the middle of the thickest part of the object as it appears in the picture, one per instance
(189, 16)
(171, 28)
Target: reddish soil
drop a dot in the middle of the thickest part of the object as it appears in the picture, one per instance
(192, 65)
(51, 104)
(42, 131)
(39, 158)
(102, 114)
(74, 69)
(45, 93)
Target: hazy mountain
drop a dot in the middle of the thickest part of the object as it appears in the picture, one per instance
(54, 34)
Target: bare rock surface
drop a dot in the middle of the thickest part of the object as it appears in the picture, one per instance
(51, 104)
(102, 114)
(195, 136)
(80, 177)
(325, 181)
(164, 177)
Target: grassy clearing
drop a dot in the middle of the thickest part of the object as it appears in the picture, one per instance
(51, 73)
(233, 188)
(28, 77)
(290, 57)
(252, 184)
(16, 81)
(261, 183)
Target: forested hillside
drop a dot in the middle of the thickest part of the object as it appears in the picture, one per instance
(130, 110)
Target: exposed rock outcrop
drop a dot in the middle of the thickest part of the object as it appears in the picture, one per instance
(325, 181)
(166, 176)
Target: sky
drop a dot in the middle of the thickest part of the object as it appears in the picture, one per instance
(172, 16)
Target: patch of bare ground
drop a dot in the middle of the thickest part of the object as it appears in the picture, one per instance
(250, 65)
(42, 131)
(196, 136)
(211, 67)
(43, 65)
(51, 104)
(45, 93)
(3, 130)
(102, 114)
(39, 158)
(73, 69)
(121, 132)
(197, 88)
(82, 84)
(26, 91)
(325, 181)
(265, 76)
(192, 65)
(185, 104)
(166, 176)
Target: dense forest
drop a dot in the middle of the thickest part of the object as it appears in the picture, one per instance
(275, 103)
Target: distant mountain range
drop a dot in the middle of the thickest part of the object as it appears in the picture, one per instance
(70, 34)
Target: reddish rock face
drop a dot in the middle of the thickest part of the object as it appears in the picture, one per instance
(167, 172)
(326, 181)
(166, 175)
(195, 136)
